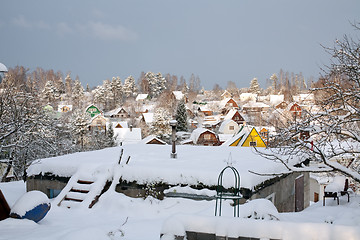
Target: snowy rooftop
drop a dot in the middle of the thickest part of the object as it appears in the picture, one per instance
(3, 68)
(152, 163)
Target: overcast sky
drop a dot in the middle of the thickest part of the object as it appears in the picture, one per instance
(219, 41)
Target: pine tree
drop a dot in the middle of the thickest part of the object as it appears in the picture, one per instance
(181, 117)
(49, 94)
(77, 93)
(129, 87)
(274, 83)
(254, 86)
(68, 85)
(80, 129)
(151, 81)
(161, 126)
(117, 90)
(99, 96)
(160, 83)
(109, 140)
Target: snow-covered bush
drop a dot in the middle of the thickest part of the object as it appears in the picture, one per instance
(259, 209)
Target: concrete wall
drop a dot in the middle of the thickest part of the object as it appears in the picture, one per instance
(44, 184)
(282, 192)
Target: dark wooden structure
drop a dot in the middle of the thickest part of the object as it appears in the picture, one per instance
(4, 207)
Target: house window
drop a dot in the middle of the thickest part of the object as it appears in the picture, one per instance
(207, 136)
(231, 128)
(253, 144)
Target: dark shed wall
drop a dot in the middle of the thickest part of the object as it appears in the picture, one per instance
(44, 184)
(284, 192)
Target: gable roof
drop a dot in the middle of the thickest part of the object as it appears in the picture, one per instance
(141, 96)
(114, 111)
(253, 136)
(178, 95)
(197, 132)
(225, 123)
(151, 138)
(244, 137)
(148, 117)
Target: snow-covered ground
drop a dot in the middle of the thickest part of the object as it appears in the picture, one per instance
(116, 216)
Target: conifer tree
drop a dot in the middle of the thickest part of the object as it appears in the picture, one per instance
(254, 86)
(49, 94)
(129, 87)
(181, 117)
(77, 93)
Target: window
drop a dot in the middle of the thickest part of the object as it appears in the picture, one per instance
(207, 136)
(231, 128)
(253, 144)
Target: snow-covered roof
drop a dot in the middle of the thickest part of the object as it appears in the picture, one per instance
(276, 99)
(197, 132)
(247, 96)
(124, 124)
(304, 97)
(141, 96)
(158, 166)
(255, 105)
(178, 95)
(230, 114)
(225, 123)
(114, 111)
(148, 117)
(151, 137)
(3, 68)
(127, 135)
(224, 102)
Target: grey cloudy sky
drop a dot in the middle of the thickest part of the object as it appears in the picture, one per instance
(220, 41)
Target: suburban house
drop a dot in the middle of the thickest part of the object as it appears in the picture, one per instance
(229, 126)
(64, 108)
(282, 105)
(275, 100)
(212, 122)
(118, 113)
(98, 122)
(235, 115)
(295, 110)
(142, 98)
(205, 111)
(117, 124)
(226, 95)
(178, 96)
(246, 137)
(255, 107)
(92, 110)
(227, 104)
(204, 137)
(152, 140)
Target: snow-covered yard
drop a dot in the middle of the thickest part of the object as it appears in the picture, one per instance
(116, 216)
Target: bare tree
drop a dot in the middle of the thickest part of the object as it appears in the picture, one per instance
(330, 137)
